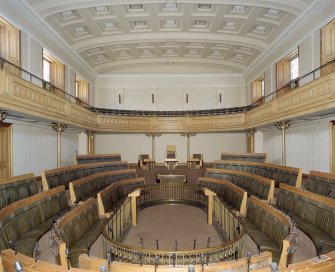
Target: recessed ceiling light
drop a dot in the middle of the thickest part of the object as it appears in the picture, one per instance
(239, 56)
(273, 12)
(146, 52)
(140, 23)
(192, 52)
(216, 53)
(100, 57)
(101, 9)
(110, 26)
(67, 14)
(238, 9)
(123, 54)
(230, 25)
(260, 28)
(204, 6)
(169, 51)
(200, 23)
(170, 23)
(135, 6)
(170, 6)
(79, 30)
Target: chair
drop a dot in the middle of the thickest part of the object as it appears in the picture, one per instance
(171, 157)
(145, 162)
(195, 162)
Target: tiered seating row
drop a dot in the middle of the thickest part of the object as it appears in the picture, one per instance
(110, 198)
(77, 229)
(64, 175)
(253, 184)
(26, 221)
(268, 228)
(84, 159)
(89, 186)
(321, 183)
(251, 157)
(227, 192)
(314, 214)
(16, 188)
(280, 174)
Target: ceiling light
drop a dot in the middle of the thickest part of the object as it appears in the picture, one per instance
(273, 12)
(230, 25)
(101, 9)
(200, 23)
(67, 14)
(170, 6)
(79, 30)
(204, 6)
(238, 9)
(170, 23)
(260, 28)
(110, 26)
(140, 23)
(136, 7)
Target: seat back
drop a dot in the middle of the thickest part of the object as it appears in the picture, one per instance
(321, 183)
(171, 152)
(16, 188)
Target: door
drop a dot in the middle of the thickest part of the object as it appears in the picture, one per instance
(5, 150)
(327, 47)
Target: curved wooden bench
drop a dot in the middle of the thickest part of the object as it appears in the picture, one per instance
(253, 184)
(255, 157)
(26, 221)
(280, 174)
(269, 228)
(321, 183)
(16, 188)
(78, 228)
(314, 214)
(94, 158)
(227, 192)
(64, 175)
(89, 186)
(110, 198)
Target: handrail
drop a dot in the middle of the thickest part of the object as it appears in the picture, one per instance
(293, 84)
(230, 250)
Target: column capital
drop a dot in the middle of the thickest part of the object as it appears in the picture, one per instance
(152, 134)
(59, 127)
(283, 125)
(90, 133)
(251, 132)
(188, 134)
(3, 114)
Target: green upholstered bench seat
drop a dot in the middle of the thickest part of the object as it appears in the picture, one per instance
(261, 239)
(80, 247)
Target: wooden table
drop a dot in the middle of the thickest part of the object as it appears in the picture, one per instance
(191, 163)
(171, 163)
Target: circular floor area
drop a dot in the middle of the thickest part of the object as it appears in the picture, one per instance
(170, 223)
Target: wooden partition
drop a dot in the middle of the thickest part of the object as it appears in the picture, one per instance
(253, 184)
(93, 158)
(227, 192)
(62, 176)
(89, 186)
(279, 173)
(255, 157)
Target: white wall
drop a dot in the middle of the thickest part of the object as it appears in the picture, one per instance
(170, 92)
(35, 148)
(209, 144)
(307, 146)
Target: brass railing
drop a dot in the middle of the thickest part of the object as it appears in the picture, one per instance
(155, 194)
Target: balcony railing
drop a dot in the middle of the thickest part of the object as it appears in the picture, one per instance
(290, 86)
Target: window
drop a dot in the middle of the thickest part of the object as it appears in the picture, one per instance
(287, 72)
(257, 89)
(9, 42)
(328, 47)
(53, 72)
(82, 90)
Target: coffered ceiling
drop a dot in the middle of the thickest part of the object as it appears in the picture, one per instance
(116, 35)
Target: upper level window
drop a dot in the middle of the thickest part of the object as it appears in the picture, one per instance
(53, 70)
(9, 42)
(287, 70)
(82, 90)
(257, 89)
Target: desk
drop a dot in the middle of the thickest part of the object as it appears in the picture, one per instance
(191, 163)
(171, 163)
(150, 163)
(171, 178)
